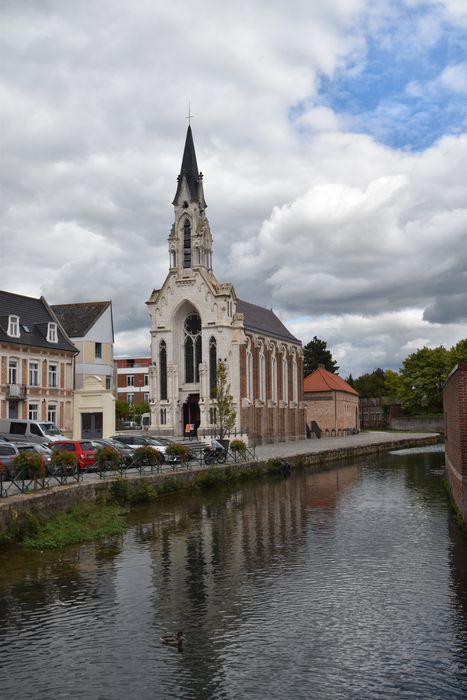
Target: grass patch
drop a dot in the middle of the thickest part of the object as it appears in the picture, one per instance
(79, 524)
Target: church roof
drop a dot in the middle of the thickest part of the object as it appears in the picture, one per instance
(322, 380)
(189, 169)
(261, 320)
(34, 316)
(77, 319)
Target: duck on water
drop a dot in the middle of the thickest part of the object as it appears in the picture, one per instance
(174, 640)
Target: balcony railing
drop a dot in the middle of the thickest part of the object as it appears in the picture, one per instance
(16, 391)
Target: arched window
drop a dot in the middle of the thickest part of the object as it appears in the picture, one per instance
(212, 367)
(187, 244)
(294, 380)
(262, 375)
(285, 379)
(163, 370)
(249, 374)
(193, 349)
(273, 379)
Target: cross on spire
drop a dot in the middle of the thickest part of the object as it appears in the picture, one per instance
(190, 115)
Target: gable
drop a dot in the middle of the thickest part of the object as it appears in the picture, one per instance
(77, 319)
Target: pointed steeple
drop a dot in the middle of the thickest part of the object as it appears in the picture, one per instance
(190, 172)
(190, 240)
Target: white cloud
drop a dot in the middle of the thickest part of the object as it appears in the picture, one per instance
(306, 215)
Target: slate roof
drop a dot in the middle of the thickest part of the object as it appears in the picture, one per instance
(322, 380)
(261, 320)
(189, 168)
(34, 317)
(77, 319)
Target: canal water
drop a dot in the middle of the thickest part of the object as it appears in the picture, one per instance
(349, 583)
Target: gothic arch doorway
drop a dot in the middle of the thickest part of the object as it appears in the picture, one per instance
(191, 414)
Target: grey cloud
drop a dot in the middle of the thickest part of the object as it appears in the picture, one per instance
(93, 99)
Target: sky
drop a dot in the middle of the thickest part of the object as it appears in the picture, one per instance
(332, 137)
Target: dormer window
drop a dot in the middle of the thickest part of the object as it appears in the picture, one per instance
(13, 326)
(52, 336)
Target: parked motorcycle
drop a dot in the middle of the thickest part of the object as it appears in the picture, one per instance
(214, 453)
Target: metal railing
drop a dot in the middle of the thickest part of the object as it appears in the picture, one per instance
(23, 482)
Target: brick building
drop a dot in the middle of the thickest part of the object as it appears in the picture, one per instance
(133, 379)
(331, 403)
(197, 320)
(455, 431)
(36, 362)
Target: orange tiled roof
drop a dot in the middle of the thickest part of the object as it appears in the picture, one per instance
(322, 380)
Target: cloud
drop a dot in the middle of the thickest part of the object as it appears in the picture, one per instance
(334, 193)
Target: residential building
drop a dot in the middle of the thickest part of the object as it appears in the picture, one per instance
(331, 404)
(90, 326)
(197, 320)
(455, 434)
(36, 362)
(133, 379)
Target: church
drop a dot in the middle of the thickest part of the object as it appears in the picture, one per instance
(197, 321)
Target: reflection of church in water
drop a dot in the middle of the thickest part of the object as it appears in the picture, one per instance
(196, 320)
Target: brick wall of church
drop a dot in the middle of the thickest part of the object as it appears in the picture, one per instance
(272, 419)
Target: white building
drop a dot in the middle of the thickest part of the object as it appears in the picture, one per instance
(197, 320)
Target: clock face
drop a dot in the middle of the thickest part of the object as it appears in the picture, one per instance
(193, 324)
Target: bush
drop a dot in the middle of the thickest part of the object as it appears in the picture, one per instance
(145, 494)
(29, 465)
(238, 447)
(63, 462)
(211, 477)
(120, 491)
(146, 456)
(179, 452)
(107, 458)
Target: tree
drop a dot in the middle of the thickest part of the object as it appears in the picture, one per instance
(139, 409)
(458, 353)
(392, 384)
(122, 410)
(225, 411)
(371, 385)
(315, 353)
(422, 376)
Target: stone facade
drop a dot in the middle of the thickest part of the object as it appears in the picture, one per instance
(197, 321)
(455, 430)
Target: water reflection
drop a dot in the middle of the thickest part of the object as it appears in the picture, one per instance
(350, 583)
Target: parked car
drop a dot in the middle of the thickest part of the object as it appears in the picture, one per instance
(125, 451)
(142, 441)
(84, 451)
(45, 452)
(30, 430)
(8, 452)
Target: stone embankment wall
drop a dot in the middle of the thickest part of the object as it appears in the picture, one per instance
(428, 424)
(14, 510)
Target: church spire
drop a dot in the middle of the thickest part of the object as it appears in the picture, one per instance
(190, 240)
(189, 171)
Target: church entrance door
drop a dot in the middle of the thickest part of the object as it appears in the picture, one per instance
(191, 415)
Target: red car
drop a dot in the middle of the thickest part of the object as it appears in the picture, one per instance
(84, 451)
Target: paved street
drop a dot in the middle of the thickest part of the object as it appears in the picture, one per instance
(314, 445)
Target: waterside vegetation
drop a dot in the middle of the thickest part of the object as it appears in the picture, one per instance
(106, 517)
